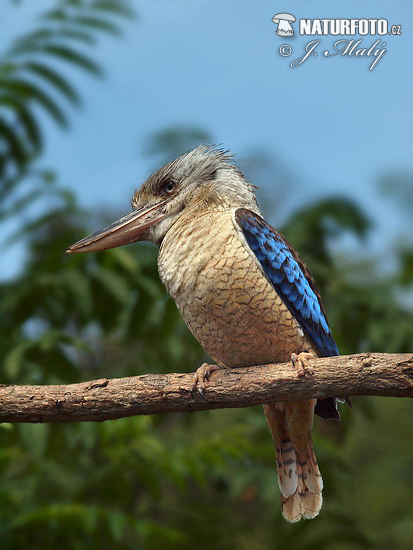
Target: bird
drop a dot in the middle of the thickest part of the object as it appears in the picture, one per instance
(243, 291)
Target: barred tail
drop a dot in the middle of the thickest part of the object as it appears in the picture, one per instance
(299, 477)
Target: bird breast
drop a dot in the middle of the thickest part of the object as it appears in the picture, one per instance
(223, 295)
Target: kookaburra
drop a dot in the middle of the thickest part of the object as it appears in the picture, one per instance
(242, 290)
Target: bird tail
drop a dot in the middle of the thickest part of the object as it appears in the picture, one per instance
(299, 477)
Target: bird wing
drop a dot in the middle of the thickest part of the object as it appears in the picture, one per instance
(290, 278)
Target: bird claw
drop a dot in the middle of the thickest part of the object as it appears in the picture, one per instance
(299, 363)
(202, 375)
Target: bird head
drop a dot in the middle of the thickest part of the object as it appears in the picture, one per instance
(204, 179)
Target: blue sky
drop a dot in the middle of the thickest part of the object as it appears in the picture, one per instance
(215, 64)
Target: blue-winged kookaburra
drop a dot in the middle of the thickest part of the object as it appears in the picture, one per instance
(242, 290)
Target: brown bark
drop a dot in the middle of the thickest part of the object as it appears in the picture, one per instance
(363, 374)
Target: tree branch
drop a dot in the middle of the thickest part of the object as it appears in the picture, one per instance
(363, 374)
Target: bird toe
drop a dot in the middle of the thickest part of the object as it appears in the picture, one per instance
(300, 363)
(201, 377)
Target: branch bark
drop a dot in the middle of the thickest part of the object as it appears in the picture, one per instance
(107, 399)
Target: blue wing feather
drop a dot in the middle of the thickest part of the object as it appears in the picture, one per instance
(290, 277)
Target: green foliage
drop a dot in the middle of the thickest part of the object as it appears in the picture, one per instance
(33, 75)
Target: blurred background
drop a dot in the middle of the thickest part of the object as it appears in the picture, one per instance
(94, 95)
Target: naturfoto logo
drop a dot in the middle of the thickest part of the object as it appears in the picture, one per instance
(337, 27)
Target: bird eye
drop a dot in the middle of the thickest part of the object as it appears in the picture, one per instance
(169, 187)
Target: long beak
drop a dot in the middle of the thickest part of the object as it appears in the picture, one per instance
(129, 229)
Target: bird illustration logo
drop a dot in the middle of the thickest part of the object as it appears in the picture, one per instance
(284, 20)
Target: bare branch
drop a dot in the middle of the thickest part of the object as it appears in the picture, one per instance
(364, 374)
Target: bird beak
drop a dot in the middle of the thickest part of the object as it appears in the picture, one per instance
(129, 229)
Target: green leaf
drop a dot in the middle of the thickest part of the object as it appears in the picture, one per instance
(55, 79)
(53, 337)
(119, 8)
(126, 260)
(113, 283)
(117, 524)
(15, 145)
(25, 118)
(97, 24)
(28, 43)
(76, 34)
(72, 56)
(32, 38)
(12, 362)
(57, 14)
(79, 288)
(28, 91)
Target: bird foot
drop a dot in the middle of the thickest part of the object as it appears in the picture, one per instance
(299, 363)
(202, 375)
